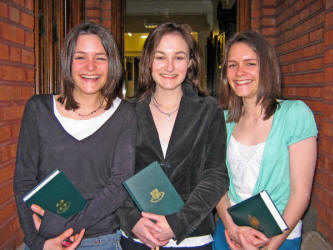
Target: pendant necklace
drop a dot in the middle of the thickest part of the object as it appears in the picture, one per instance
(92, 112)
(168, 115)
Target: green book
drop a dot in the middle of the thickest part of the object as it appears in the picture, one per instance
(56, 194)
(152, 191)
(260, 213)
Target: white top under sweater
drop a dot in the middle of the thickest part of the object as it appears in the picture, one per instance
(81, 129)
(245, 162)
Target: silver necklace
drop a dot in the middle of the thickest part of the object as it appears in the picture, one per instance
(92, 112)
(168, 115)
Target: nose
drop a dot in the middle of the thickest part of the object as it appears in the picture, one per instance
(240, 71)
(170, 65)
(91, 64)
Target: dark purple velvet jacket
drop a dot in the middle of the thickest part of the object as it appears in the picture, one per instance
(194, 162)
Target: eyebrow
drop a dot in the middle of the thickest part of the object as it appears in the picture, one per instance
(178, 52)
(82, 52)
(250, 59)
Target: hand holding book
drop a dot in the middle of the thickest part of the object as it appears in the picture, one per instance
(243, 242)
(155, 196)
(166, 232)
(38, 213)
(260, 213)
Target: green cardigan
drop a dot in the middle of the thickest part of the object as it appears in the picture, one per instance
(293, 121)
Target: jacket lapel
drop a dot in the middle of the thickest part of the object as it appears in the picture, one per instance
(182, 137)
(148, 129)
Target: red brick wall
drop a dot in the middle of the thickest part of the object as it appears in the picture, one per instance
(93, 11)
(16, 86)
(302, 32)
(324, 181)
(99, 12)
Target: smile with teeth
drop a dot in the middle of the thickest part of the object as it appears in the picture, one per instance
(240, 82)
(169, 75)
(90, 76)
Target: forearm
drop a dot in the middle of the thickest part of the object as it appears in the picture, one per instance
(128, 215)
(302, 165)
(31, 237)
(292, 214)
(222, 211)
(26, 174)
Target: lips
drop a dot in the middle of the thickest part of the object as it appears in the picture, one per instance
(243, 82)
(94, 77)
(168, 75)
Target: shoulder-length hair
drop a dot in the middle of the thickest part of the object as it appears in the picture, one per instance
(269, 77)
(146, 83)
(112, 86)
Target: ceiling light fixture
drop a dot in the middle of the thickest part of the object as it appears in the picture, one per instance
(150, 25)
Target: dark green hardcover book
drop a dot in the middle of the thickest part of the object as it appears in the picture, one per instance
(152, 191)
(260, 213)
(56, 194)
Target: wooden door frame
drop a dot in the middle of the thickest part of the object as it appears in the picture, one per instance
(57, 18)
(118, 8)
(243, 15)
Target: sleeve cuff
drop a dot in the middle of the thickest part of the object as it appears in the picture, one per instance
(52, 225)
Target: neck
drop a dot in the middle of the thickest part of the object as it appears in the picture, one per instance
(252, 110)
(168, 99)
(87, 102)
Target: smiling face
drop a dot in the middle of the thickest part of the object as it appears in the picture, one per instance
(170, 62)
(243, 70)
(89, 65)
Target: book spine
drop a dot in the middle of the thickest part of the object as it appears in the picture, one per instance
(40, 185)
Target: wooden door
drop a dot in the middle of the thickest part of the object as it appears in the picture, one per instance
(53, 19)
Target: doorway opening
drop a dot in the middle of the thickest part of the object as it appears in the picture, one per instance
(212, 21)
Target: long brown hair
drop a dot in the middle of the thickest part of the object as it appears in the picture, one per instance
(269, 77)
(112, 87)
(146, 84)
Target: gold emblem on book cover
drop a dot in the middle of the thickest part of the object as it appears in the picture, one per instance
(156, 195)
(253, 221)
(62, 206)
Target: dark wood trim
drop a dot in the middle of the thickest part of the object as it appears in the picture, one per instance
(117, 23)
(53, 20)
(243, 15)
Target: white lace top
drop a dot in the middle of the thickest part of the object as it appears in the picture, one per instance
(245, 164)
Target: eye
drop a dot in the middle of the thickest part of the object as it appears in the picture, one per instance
(102, 59)
(180, 58)
(159, 58)
(78, 58)
(251, 64)
(231, 65)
